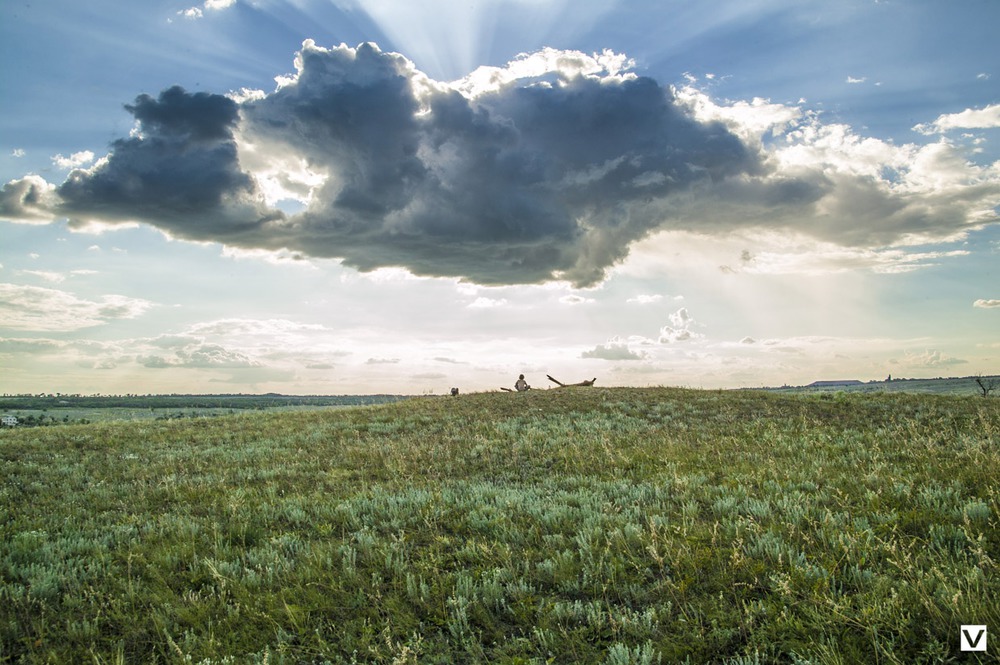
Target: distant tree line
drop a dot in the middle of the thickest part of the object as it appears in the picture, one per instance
(40, 402)
(43, 420)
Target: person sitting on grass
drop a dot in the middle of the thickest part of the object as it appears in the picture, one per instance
(521, 385)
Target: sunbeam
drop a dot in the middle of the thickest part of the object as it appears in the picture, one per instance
(448, 39)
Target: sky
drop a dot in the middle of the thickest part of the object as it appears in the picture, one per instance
(383, 196)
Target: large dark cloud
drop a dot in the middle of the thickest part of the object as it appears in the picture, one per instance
(518, 184)
(181, 172)
(549, 172)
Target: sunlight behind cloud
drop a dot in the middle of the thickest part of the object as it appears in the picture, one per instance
(449, 39)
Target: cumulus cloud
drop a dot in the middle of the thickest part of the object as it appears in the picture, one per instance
(209, 5)
(49, 310)
(75, 160)
(930, 358)
(502, 178)
(549, 168)
(679, 329)
(195, 353)
(180, 172)
(615, 349)
(986, 304)
(985, 118)
(30, 199)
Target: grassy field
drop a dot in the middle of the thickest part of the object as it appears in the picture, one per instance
(579, 525)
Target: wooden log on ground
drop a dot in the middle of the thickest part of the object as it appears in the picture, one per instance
(588, 382)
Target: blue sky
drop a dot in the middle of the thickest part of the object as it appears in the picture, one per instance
(307, 196)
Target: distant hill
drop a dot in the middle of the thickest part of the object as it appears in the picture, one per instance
(965, 385)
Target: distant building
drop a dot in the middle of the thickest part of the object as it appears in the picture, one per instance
(8, 421)
(834, 384)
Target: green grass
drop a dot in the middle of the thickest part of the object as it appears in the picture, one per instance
(568, 526)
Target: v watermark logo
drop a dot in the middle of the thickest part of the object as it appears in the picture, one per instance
(973, 638)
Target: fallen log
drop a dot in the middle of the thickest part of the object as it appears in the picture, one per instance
(588, 382)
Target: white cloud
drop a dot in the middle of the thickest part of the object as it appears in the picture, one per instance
(30, 200)
(643, 299)
(679, 329)
(253, 327)
(17, 152)
(987, 117)
(986, 304)
(51, 310)
(573, 299)
(680, 318)
(279, 257)
(563, 65)
(47, 275)
(209, 5)
(198, 354)
(483, 302)
(750, 120)
(76, 160)
(851, 79)
(930, 358)
(278, 345)
(614, 349)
